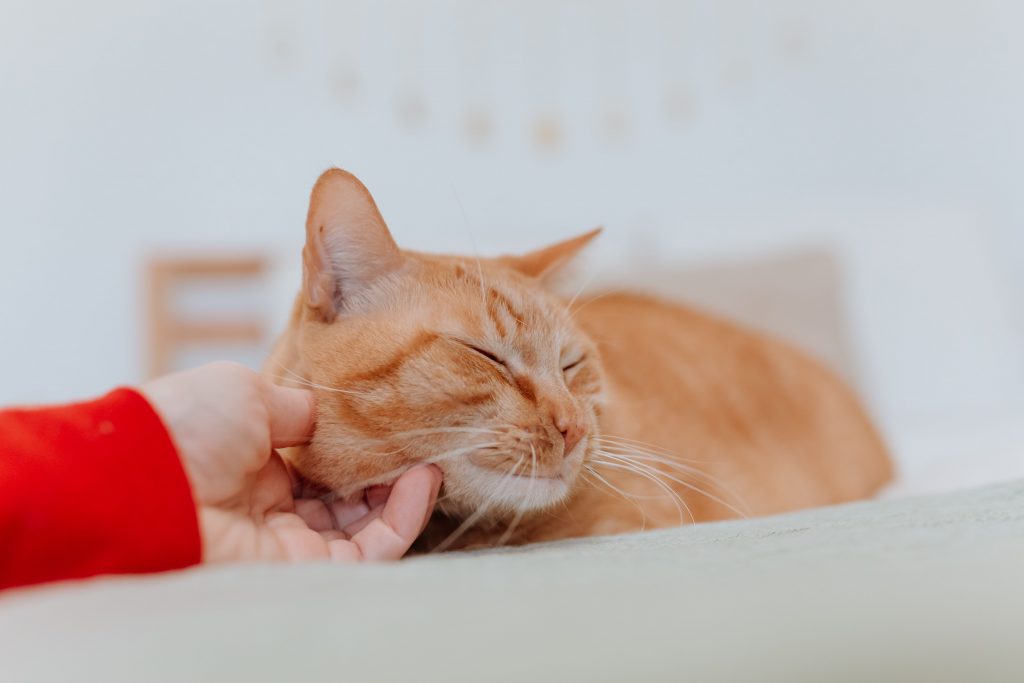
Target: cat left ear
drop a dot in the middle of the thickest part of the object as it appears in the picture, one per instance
(543, 263)
(348, 245)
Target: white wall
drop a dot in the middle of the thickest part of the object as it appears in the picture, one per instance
(888, 129)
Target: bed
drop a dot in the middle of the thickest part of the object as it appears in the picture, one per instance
(913, 589)
(905, 588)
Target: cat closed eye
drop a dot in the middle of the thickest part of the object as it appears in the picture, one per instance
(575, 363)
(486, 354)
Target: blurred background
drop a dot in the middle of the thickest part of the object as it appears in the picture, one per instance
(842, 174)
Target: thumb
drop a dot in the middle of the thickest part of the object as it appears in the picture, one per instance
(292, 414)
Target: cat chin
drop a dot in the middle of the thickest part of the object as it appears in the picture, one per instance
(470, 489)
(474, 489)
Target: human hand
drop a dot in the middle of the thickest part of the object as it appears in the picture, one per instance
(226, 421)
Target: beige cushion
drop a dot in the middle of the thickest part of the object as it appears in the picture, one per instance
(795, 295)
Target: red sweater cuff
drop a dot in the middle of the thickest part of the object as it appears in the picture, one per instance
(92, 488)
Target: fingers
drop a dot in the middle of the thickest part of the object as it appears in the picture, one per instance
(405, 514)
(351, 522)
(349, 516)
(315, 514)
(377, 496)
(272, 488)
(291, 413)
(380, 527)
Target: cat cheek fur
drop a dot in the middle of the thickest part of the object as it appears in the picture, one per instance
(384, 406)
(477, 426)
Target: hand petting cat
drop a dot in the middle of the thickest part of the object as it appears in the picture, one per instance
(181, 471)
(226, 422)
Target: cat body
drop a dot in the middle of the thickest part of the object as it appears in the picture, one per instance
(753, 426)
(618, 413)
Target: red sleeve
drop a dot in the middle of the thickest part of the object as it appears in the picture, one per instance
(92, 488)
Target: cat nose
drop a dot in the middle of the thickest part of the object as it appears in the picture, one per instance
(572, 429)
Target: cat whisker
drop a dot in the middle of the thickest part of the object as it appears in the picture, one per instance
(667, 462)
(295, 377)
(460, 451)
(431, 431)
(595, 298)
(670, 460)
(648, 447)
(313, 385)
(706, 478)
(399, 471)
(478, 513)
(522, 509)
(626, 494)
(675, 497)
(580, 289)
(472, 240)
(628, 497)
(347, 443)
(692, 487)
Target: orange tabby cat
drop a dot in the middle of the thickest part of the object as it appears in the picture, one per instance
(622, 413)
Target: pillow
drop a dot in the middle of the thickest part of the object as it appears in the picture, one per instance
(794, 295)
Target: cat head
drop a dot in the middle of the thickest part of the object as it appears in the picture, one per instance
(470, 363)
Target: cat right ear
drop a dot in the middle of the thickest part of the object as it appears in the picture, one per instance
(543, 263)
(348, 245)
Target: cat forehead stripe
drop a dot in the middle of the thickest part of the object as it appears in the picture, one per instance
(498, 303)
(417, 346)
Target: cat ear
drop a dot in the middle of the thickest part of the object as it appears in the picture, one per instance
(348, 246)
(544, 262)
